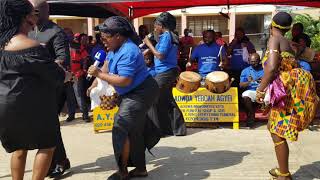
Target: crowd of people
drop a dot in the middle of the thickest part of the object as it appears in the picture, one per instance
(239, 59)
(42, 66)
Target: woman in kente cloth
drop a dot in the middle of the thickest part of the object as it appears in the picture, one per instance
(125, 69)
(292, 91)
(28, 82)
(166, 115)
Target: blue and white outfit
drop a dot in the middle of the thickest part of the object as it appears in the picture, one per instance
(208, 57)
(255, 74)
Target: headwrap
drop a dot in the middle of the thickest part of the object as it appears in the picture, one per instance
(118, 24)
(168, 21)
(282, 20)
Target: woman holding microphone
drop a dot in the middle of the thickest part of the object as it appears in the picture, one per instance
(126, 71)
(169, 118)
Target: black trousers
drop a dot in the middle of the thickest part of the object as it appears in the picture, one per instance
(80, 89)
(169, 118)
(60, 152)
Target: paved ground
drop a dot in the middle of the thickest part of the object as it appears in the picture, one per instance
(221, 154)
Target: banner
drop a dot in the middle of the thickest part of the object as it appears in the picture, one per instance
(204, 106)
(103, 119)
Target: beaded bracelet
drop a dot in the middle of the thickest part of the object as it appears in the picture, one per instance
(261, 92)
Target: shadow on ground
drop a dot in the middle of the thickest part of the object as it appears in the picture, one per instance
(174, 163)
(9, 175)
(308, 172)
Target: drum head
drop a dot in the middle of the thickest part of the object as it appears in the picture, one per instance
(190, 76)
(217, 76)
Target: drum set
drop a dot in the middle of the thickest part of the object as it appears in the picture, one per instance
(215, 82)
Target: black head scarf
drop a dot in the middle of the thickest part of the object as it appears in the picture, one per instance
(168, 21)
(118, 24)
(282, 20)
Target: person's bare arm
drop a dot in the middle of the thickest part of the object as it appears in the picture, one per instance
(156, 53)
(272, 66)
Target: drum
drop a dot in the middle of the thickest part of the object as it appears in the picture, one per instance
(188, 82)
(109, 102)
(218, 82)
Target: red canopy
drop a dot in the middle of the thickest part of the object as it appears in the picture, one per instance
(138, 8)
(142, 8)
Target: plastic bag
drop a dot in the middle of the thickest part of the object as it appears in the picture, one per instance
(245, 54)
(103, 88)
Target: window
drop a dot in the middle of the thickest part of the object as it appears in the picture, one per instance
(198, 24)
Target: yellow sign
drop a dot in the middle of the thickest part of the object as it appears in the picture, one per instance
(205, 106)
(103, 119)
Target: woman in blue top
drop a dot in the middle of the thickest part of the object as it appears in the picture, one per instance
(127, 72)
(169, 120)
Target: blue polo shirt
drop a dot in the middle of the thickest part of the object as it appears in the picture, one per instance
(168, 50)
(305, 65)
(208, 58)
(128, 61)
(152, 71)
(237, 62)
(255, 74)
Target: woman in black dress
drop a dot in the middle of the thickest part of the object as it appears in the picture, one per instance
(28, 81)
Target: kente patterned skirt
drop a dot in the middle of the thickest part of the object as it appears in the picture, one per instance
(300, 105)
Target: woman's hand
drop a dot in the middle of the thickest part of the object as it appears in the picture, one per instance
(89, 90)
(147, 41)
(94, 71)
(68, 76)
(260, 97)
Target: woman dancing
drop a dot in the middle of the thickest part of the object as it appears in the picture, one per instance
(127, 72)
(168, 118)
(292, 90)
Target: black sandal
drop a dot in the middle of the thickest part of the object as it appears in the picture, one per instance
(117, 176)
(135, 173)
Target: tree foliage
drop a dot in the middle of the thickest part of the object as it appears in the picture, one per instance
(311, 28)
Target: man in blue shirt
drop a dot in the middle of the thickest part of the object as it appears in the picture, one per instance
(209, 55)
(240, 48)
(249, 80)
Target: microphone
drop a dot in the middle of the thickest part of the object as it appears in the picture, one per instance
(99, 58)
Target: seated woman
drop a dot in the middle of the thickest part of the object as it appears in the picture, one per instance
(292, 90)
(125, 69)
(28, 83)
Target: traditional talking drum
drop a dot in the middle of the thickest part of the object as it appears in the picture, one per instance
(218, 82)
(188, 82)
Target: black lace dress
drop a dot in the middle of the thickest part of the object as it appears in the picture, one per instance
(28, 111)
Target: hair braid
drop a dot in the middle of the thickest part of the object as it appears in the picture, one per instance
(12, 14)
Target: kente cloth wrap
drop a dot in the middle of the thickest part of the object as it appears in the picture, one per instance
(293, 98)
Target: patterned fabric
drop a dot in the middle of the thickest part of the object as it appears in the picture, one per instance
(300, 103)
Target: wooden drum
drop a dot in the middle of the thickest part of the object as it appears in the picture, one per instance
(218, 82)
(188, 82)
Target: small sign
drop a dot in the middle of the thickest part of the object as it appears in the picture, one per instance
(103, 119)
(205, 106)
